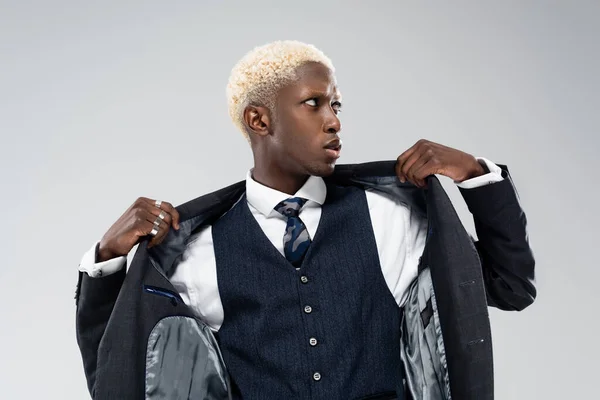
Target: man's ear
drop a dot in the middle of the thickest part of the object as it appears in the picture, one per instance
(258, 120)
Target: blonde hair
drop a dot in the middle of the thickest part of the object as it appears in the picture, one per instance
(259, 75)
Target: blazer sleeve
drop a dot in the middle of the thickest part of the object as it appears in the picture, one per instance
(503, 245)
(95, 299)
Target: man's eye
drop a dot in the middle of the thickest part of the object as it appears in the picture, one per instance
(311, 102)
(337, 106)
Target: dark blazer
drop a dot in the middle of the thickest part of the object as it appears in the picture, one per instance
(121, 318)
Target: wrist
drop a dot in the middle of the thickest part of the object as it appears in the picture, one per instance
(477, 170)
(103, 253)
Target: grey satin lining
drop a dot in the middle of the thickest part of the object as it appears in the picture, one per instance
(183, 362)
(422, 347)
(405, 193)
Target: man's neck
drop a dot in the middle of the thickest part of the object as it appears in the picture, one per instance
(277, 180)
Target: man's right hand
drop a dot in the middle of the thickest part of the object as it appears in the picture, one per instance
(136, 223)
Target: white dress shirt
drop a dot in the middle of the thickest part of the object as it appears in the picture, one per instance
(399, 235)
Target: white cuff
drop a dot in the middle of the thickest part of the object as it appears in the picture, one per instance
(96, 270)
(495, 175)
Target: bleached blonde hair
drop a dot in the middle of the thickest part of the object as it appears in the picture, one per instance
(258, 76)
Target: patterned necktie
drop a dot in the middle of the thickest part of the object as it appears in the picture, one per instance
(295, 239)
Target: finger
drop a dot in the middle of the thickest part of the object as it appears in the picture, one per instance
(405, 156)
(157, 212)
(149, 223)
(416, 158)
(161, 233)
(147, 206)
(415, 166)
(151, 217)
(168, 207)
(148, 227)
(421, 173)
(402, 159)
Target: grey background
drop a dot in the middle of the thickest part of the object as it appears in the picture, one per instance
(107, 101)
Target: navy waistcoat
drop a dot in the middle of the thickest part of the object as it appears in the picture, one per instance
(330, 330)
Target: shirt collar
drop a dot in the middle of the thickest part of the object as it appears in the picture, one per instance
(264, 198)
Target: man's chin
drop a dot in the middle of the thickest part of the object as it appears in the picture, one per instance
(324, 170)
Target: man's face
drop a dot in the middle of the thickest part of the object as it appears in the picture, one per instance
(306, 125)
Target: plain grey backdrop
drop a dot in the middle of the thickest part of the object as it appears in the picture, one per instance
(103, 102)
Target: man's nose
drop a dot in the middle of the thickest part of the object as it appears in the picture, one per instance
(332, 123)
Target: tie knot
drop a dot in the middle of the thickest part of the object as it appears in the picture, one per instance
(290, 207)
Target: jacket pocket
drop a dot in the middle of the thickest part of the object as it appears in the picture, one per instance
(172, 296)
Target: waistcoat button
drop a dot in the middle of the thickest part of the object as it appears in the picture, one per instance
(313, 341)
(308, 309)
(303, 279)
(317, 376)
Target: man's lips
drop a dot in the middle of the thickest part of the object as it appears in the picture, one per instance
(333, 148)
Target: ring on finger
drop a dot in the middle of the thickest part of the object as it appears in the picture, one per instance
(154, 230)
(157, 203)
(162, 214)
(157, 221)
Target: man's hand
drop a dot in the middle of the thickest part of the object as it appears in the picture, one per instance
(134, 224)
(426, 158)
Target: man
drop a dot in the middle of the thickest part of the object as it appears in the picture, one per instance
(306, 280)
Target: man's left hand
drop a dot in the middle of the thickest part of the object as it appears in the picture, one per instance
(426, 158)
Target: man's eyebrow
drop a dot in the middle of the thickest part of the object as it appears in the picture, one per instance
(320, 93)
(312, 92)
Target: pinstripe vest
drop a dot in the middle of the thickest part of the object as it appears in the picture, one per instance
(330, 330)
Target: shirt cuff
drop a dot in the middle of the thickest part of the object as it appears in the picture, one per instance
(495, 175)
(96, 270)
